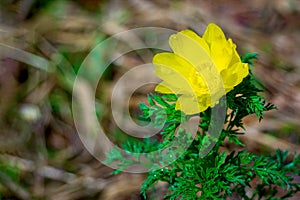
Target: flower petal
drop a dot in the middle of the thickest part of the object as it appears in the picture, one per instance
(234, 75)
(188, 104)
(190, 46)
(235, 56)
(165, 88)
(196, 38)
(204, 101)
(174, 70)
(221, 54)
(213, 33)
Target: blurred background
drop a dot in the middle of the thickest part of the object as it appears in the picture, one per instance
(44, 42)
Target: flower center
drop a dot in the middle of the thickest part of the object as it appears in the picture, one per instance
(205, 79)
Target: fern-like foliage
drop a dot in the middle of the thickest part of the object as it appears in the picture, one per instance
(218, 175)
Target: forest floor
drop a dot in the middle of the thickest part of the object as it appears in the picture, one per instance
(42, 46)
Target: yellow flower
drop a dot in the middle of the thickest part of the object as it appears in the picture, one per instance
(201, 69)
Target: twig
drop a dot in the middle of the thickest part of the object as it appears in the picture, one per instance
(270, 141)
(46, 171)
(14, 187)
